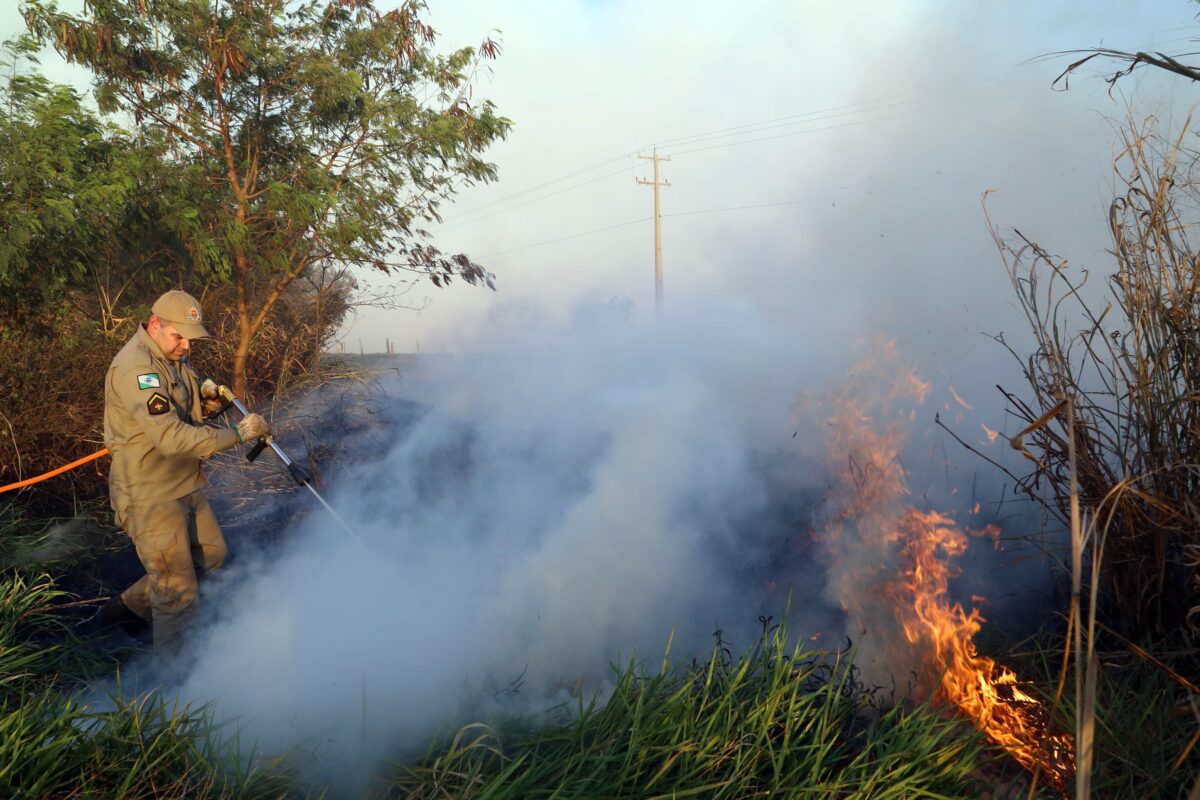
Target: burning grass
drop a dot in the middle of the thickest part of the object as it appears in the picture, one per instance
(1112, 429)
(1145, 742)
(777, 721)
(892, 565)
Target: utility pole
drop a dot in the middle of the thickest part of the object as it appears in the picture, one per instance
(658, 265)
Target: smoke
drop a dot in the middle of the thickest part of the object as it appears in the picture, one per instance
(524, 520)
(586, 485)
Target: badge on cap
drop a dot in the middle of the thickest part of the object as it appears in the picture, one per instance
(193, 314)
(148, 381)
(157, 404)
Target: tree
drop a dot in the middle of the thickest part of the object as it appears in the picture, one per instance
(317, 132)
(86, 207)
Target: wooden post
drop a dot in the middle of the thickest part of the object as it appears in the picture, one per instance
(658, 254)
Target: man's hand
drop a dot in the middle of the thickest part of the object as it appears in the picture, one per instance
(252, 427)
(211, 400)
(212, 408)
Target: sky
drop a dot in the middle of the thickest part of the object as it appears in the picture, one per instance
(854, 205)
(841, 192)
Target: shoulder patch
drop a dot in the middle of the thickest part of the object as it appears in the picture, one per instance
(158, 404)
(149, 381)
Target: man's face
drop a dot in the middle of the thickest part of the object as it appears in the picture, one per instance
(172, 345)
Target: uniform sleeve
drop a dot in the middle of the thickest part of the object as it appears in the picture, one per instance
(152, 413)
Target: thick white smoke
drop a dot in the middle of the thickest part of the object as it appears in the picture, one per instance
(523, 521)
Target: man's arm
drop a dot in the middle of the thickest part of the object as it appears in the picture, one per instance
(152, 412)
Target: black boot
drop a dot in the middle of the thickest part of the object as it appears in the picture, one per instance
(115, 612)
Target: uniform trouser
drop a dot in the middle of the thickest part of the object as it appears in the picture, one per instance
(176, 541)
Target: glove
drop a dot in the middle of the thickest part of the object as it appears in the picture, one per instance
(211, 400)
(252, 427)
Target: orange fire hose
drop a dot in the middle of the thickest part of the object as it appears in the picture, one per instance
(53, 472)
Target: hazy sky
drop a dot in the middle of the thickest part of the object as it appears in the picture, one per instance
(881, 126)
(840, 192)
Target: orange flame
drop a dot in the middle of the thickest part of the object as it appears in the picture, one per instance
(866, 436)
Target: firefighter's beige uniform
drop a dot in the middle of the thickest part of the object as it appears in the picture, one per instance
(153, 427)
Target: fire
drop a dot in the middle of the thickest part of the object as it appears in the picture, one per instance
(875, 526)
(987, 692)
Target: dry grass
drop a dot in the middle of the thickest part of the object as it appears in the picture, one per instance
(1113, 432)
(1131, 373)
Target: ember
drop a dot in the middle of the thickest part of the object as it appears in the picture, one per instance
(871, 499)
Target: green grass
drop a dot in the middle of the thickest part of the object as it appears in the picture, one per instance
(52, 746)
(777, 722)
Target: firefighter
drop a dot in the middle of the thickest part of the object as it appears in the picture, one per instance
(153, 425)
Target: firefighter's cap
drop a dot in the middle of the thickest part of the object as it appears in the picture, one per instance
(180, 309)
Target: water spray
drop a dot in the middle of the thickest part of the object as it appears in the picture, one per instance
(298, 473)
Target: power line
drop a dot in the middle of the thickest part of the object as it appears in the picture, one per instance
(676, 214)
(784, 135)
(865, 106)
(572, 236)
(748, 130)
(539, 198)
(779, 122)
(471, 218)
(636, 221)
(733, 208)
(551, 182)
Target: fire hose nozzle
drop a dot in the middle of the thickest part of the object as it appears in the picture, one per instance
(229, 397)
(298, 473)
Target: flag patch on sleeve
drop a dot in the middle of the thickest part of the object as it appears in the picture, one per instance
(157, 404)
(149, 381)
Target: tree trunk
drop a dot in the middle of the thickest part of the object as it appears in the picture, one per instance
(245, 329)
(240, 356)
